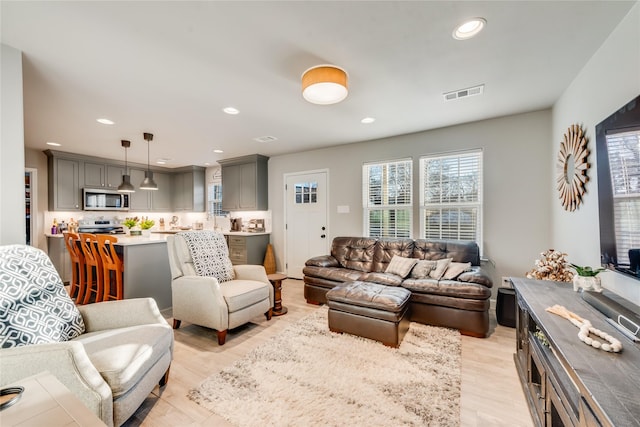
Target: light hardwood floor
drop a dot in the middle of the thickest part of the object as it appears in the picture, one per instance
(491, 391)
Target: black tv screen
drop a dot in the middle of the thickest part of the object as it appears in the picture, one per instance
(618, 160)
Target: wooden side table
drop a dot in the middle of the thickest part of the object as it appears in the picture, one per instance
(47, 402)
(276, 280)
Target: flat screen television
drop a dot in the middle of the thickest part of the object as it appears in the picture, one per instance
(618, 161)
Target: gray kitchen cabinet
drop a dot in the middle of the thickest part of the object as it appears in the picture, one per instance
(161, 198)
(247, 249)
(102, 175)
(63, 183)
(189, 190)
(141, 199)
(60, 257)
(245, 183)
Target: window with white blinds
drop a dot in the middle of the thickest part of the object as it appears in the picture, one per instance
(387, 198)
(624, 162)
(451, 196)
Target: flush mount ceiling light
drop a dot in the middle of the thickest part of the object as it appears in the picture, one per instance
(126, 186)
(324, 84)
(148, 183)
(231, 110)
(105, 121)
(469, 28)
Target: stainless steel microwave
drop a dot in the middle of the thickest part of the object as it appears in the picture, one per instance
(99, 199)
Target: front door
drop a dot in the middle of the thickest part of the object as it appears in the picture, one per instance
(306, 227)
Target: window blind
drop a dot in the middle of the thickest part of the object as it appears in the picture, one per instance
(451, 196)
(387, 198)
(624, 160)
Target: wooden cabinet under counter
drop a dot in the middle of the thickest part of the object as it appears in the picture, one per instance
(247, 248)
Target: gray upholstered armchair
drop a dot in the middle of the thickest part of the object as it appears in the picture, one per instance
(110, 355)
(222, 298)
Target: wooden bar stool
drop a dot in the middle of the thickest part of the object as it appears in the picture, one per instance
(111, 263)
(93, 262)
(78, 277)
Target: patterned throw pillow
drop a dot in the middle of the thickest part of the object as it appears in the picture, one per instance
(441, 267)
(455, 269)
(34, 306)
(422, 269)
(210, 254)
(401, 266)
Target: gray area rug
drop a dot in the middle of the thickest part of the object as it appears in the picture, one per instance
(309, 376)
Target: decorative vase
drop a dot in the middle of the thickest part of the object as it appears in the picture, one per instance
(146, 233)
(135, 231)
(587, 283)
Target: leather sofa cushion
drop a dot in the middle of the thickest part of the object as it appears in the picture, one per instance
(447, 287)
(449, 302)
(386, 249)
(383, 279)
(123, 356)
(337, 274)
(439, 249)
(370, 295)
(475, 275)
(354, 253)
(323, 261)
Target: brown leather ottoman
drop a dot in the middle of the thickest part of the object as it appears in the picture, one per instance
(370, 310)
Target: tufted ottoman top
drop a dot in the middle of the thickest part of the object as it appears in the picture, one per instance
(370, 295)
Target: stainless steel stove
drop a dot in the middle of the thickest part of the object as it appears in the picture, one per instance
(100, 226)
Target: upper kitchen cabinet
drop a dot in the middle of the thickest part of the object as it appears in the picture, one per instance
(102, 175)
(244, 183)
(189, 189)
(63, 182)
(150, 200)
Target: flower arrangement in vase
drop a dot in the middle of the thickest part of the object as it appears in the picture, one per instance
(131, 224)
(587, 278)
(146, 225)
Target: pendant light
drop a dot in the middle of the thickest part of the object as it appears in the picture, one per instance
(126, 186)
(148, 183)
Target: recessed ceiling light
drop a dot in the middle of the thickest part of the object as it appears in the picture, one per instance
(207, 164)
(218, 151)
(54, 144)
(231, 110)
(367, 120)
(469, 29)
(104, 121)
(265, 139)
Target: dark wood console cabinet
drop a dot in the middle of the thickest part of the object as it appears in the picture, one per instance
(566, 382)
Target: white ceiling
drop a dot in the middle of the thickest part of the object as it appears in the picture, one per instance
(170, 67)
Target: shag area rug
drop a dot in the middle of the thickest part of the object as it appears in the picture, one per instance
(309, 376)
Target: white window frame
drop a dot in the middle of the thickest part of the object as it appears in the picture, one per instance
(368, 207)
(477, 204)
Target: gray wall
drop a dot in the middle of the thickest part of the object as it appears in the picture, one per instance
(609, 80)
(517, 178)
(12, 208)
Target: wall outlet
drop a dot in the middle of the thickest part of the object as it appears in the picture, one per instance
(506, 282)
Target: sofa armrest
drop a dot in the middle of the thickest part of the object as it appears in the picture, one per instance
(69, 363)
(120, 314)
(476, 275)
(323, 261)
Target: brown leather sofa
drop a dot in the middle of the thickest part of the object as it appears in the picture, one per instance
(461, 303)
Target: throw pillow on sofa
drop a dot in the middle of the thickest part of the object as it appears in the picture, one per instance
(422, 269)
(401, 266)
(440, 268)
(35, 307)
(455, 269)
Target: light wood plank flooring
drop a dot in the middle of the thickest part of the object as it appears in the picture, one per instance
(491, 391)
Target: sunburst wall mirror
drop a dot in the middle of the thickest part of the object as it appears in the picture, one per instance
(572, 167)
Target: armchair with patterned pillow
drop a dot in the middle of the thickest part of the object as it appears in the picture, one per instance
(110, 355)
(207, 290)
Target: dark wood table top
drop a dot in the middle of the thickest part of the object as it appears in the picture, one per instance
(612, 380)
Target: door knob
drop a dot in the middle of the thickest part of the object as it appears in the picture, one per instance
(324, 228)
(323, 236)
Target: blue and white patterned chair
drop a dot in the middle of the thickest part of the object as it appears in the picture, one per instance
(207, 290)
(110, 355)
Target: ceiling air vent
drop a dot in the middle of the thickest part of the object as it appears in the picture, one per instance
(463, 93)
(265, 138)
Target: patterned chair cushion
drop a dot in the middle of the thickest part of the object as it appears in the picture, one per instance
(34, 306)
(210, 254)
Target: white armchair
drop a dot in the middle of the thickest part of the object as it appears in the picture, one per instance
(206, 301)
(110, 355)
